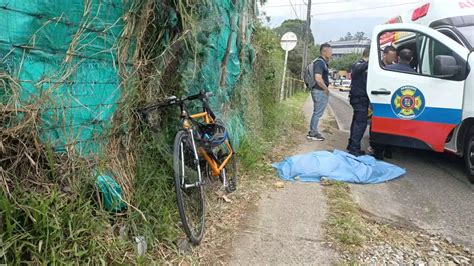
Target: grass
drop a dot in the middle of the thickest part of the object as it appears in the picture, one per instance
(64, 226)
(345, 225)
(278, 120)
(54, 229)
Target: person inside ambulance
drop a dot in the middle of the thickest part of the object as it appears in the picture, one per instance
(390, 56)
(404, 61)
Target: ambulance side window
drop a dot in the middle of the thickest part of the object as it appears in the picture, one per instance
(419, 54)
(430, 49)
(402, 41)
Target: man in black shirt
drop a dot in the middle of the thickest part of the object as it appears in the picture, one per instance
(359, 101)
(406, 56)
(320, 92)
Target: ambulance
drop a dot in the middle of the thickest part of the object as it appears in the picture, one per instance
(431, 107)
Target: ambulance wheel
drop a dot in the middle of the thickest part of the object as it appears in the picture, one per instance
(469, 155)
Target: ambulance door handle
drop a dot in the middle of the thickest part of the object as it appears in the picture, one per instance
(381, 92)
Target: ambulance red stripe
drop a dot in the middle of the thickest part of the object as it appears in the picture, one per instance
(433, 134)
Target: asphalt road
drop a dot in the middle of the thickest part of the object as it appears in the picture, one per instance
(434, 195)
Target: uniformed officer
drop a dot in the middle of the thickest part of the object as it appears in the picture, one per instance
(359, 101)
(379, 151)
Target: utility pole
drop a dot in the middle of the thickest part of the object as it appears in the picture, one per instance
(306, 39)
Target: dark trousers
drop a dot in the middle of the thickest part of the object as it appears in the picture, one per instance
(359, 122)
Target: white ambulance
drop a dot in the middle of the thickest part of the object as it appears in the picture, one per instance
(431, 107)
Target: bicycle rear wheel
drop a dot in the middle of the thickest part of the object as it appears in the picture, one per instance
(189, 187)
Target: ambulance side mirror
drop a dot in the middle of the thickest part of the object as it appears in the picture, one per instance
(446, 66)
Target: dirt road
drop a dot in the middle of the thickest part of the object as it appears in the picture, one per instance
(286, 228)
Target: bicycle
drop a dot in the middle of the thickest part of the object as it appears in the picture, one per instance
(201, 146)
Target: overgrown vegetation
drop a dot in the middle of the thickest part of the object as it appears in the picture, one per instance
(266, 118)
(50, 210)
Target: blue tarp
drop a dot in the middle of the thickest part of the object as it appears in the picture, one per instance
(338, 166)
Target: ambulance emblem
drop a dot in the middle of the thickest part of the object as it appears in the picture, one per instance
(408, 102)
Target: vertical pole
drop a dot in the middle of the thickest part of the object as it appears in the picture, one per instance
(288, 86)
(292, 82)
(291, 86)
(282, 92)
(306, 39)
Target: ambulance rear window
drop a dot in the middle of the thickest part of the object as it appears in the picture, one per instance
(464, 25)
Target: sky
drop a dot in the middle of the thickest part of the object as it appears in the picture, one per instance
(332, 19)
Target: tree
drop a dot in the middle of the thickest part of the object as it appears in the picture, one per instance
(345, 62)
(295, 57)
(348, 37)
(359, 36)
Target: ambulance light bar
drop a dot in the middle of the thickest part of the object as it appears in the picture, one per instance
(420, 12)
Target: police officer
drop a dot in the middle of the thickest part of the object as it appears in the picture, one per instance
(379, 151)
(359, 101)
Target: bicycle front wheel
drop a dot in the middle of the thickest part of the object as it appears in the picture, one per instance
(189, 187)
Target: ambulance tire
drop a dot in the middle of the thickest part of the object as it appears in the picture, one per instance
(469, 155)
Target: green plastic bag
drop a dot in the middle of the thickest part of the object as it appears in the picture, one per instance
(111, 193)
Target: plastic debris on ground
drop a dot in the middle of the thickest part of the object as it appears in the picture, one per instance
(111, 193)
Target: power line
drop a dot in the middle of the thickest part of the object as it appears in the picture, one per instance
(306, 38)
(327, 3)
(362, 9)
(313, 4)
(294, 10)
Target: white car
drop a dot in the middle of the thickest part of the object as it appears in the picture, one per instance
(345, 85)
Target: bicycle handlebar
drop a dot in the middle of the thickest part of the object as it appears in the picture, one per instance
(201, 96)
(173, 100)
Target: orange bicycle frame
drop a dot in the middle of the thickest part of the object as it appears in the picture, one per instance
(216, 169)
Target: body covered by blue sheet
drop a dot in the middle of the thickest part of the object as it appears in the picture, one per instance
(339, 166)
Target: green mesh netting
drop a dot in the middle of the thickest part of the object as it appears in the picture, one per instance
(65, 57)
(226, 30)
